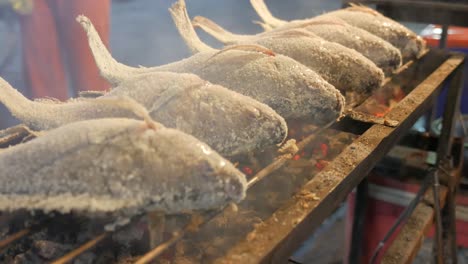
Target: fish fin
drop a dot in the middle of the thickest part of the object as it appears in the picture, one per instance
(129, 104)
(165, 97)
(245, 47)
(262, 10)
(292, 33)
(91, 94)
(215, 30)
(110, 69)
(18, 105)
(20, 132)
(48, 100)
(252, 47)
(362, 8)
(32, 134)
(264, 26)
(322, 21)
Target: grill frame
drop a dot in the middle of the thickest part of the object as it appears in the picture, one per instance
(275, 241)
(289, 226)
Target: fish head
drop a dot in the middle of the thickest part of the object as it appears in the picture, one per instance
(233, 123)
(299, 92)
(414, 46)
(183, 174)
(254, 125)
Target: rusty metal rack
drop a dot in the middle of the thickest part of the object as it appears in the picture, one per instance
(409, 239)
(290, 194)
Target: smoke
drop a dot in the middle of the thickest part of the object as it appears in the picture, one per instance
(142, 31)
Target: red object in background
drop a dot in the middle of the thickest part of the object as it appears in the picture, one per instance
(381, 215)
(247, 170)
(457, 37)
(457, 40)
(53, 42)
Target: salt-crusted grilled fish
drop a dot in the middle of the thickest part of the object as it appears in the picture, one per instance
(410, 45)
(227, 121)
(344, 68)
(290, 88)
(119, 167)
(382, 53)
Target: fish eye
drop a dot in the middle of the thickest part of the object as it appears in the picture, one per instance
(234, 189)
(204, 167)
(253, 113)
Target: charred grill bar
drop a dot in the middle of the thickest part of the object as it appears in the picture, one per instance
(286, 224)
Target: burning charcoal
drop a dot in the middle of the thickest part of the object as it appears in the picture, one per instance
(290, 88)
(86, 258)
(227, 121)
(129, 234)
(105, 257)
(49, 250)
(127, 260)
(27, 258)
(183, 260)
(116, 166)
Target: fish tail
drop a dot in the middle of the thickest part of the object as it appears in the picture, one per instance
(265, 14)
(214, 29)
(182, 21)
(110, 69)
(18, 105)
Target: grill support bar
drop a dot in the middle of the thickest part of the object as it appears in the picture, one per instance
(452, 108)
(358, 231)
(292, 224)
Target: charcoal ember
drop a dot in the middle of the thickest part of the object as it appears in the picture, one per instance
(104, 257)
(184, 261)
(86, 258)
(27, 258)
(129, 234)
(127, 260)
(50, 250)
(4, 232)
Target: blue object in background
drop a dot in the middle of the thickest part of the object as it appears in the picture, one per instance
(457, 40)
(464, 98)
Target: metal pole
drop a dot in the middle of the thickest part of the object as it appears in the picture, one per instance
(452, 107)
(403, 217)
(430, 117)
(443, 37)
(358, 231)
(438, 249)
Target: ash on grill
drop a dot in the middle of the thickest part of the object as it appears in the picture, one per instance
(66, 232)
(263, 200)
